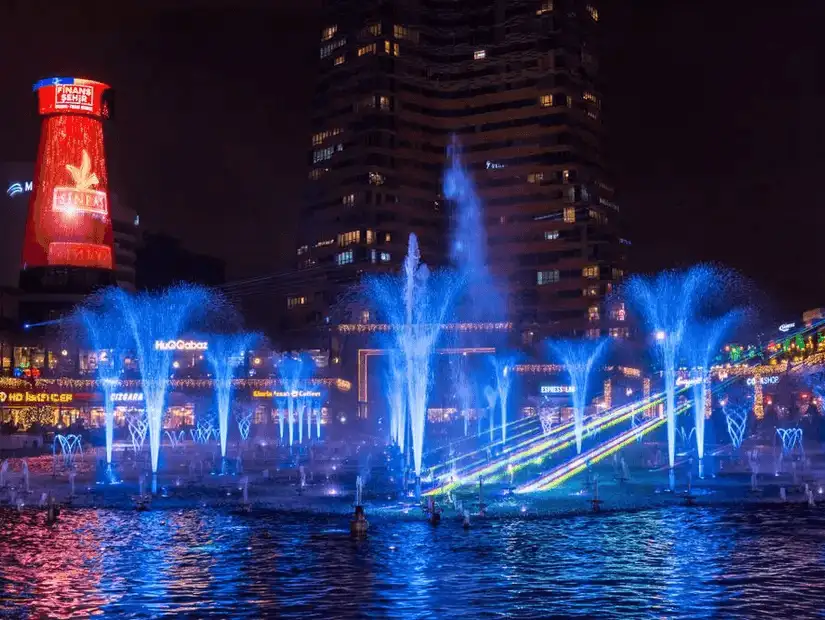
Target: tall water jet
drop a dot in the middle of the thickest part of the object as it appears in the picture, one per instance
(295, 372)
(503, 369)
(463, 388)
(416, 304)
(226, 353)
(156, 321)
(579, 358)
(107, 335)
(394, 385)
(668, 302)
(703, 342)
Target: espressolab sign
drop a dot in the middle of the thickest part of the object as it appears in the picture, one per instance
(16, 398)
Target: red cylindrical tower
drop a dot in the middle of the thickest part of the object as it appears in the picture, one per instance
(69, 223)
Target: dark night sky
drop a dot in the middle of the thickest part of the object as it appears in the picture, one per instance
(714, 113)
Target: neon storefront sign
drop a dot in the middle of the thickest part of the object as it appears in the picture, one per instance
(127, 397)
(181, 345)
(19, 188)
(558, 389)
(769, 380)
(36, 397)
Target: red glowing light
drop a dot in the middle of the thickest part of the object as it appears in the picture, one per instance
(69, 222)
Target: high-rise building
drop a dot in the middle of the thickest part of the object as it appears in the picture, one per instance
(516, 82)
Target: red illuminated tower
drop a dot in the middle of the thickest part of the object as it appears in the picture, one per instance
(68, 241)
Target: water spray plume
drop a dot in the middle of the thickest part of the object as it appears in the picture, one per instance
(579, 358)
(226, 353)
(503, 370)
(295, 372)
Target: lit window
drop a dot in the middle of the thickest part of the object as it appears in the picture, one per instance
(344, 258)
(479, 54)
(318, 138)
(551, 235)
(618, 332)
(328, 32)
(339, 60)
(348, 200)
(535, 177)
(387, 237)
(618, 312)
(591, 291)
(396, 49)
(370, 237)
(303, 249)
(593, 333)
(348, 238)
(327, 49)
(387, 47)
(384, 103)
(324, 243)
(366, 49)
(593, 314)
(569, 215)
(365, 317)
(565, 176)
(547, 277)
(400, 32)
(591, 271)
(317, 173)
(294, 302)
(374, 29)
(546, 7)
(546, 101)
(322, 154)
(594, 13)
(588, 96)
(618, 274)
(385, 257)
(376, 178)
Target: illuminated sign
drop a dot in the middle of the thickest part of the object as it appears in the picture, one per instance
(19, 188)
(127, 397)
(81, 198)
(35, 397)
(293, 394)
(74, 97)
(682, 382)
(558, 389)
(786, 327)
(769, 380)
(181, 345)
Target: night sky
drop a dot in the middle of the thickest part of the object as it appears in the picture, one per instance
(714, 113)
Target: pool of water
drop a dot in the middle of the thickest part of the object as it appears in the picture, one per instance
(674, 562)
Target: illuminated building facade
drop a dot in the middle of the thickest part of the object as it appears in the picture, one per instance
(68, 243)
(517, 82)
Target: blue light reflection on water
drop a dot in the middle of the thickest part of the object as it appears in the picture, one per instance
(197, 563)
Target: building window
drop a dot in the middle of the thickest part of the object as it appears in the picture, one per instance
(324, 243)
(593, 333)
(384, 103)
(303, 249)
(328, 32)
(376, 178)
(618, 274)
(547, 277)
(593, 314)
(366, 49)
(327, 49)
(400, 32)
(348, 238)
(479, 54)
(570, 215)
(374, 30)
(344, 258)
(317, 173)
(323, 154)
(594, 13)
(348, 200)
(370, 237)
(318, 138)
(546, 101)
(591, 291)
(385, 257)
(566, 176)
(551, 235)
(396, 49)
(618, 312)
(546, 7)
(294, 302)
(591, 271)
(535, 177)
(618, 332)
(588, 96)
(339, 60)
(387, 237)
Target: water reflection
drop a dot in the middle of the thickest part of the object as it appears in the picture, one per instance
(675, 562)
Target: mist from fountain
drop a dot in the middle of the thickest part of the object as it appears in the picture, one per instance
(503, 370)
(295, 371)
(579, 358)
